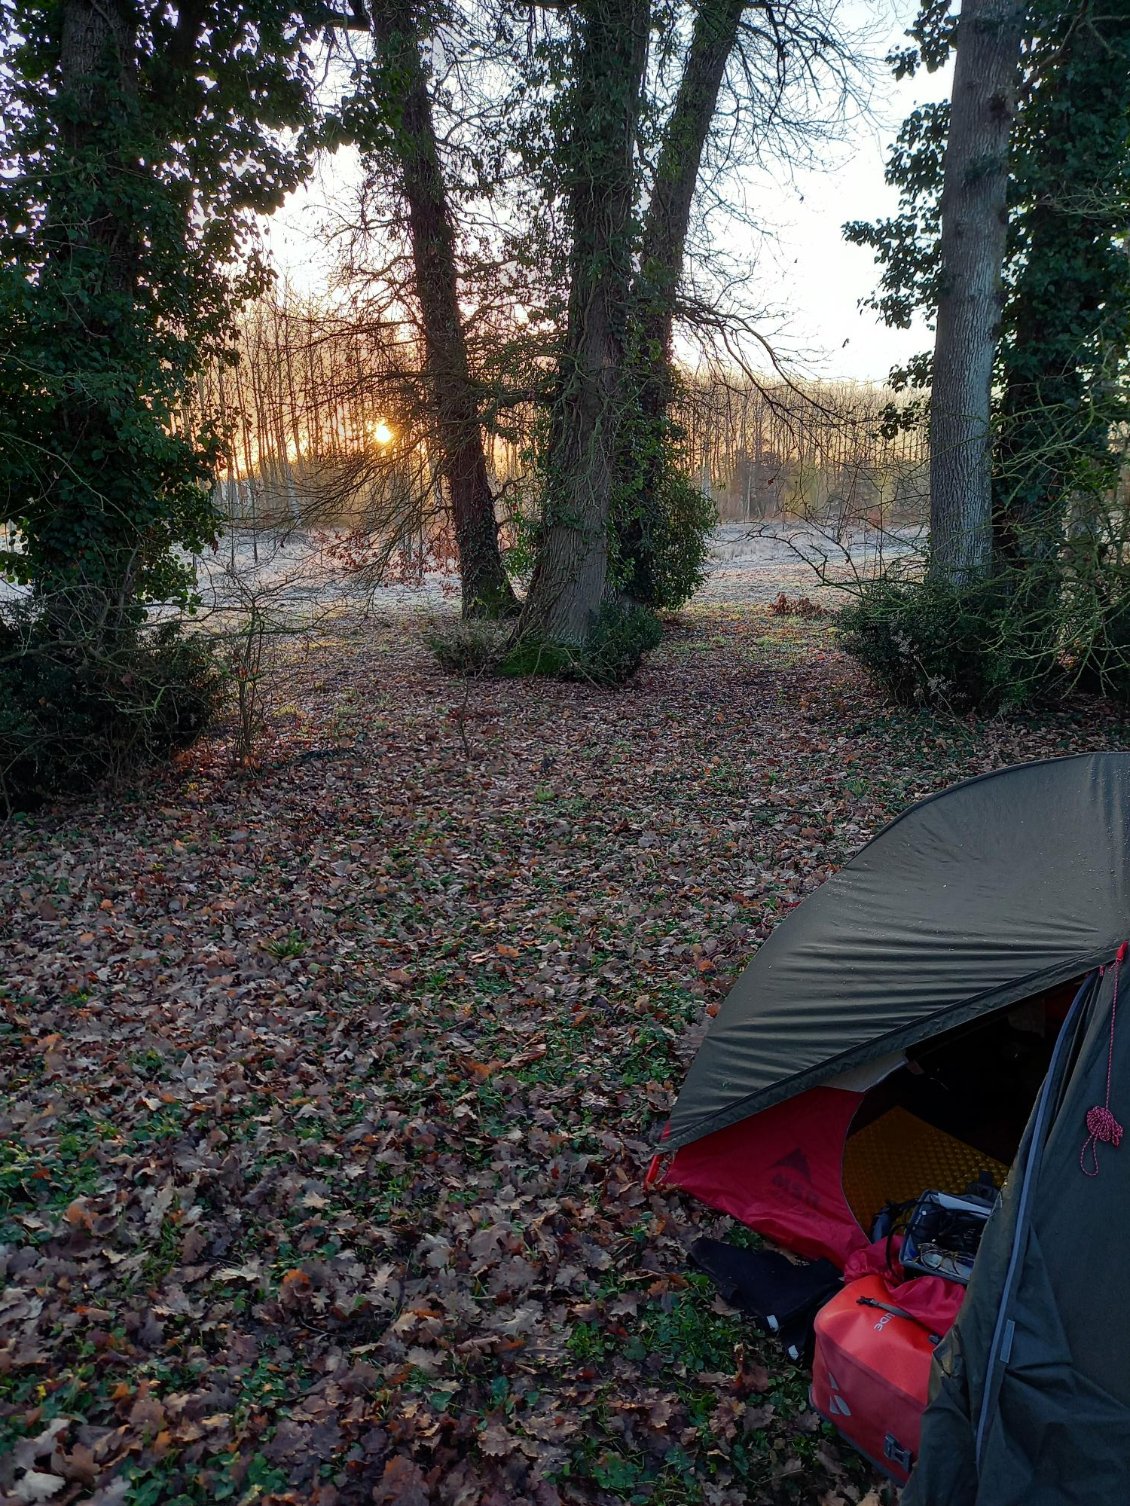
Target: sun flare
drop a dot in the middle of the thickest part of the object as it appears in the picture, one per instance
(382, 434)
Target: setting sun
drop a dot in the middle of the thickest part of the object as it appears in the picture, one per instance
(382, 433)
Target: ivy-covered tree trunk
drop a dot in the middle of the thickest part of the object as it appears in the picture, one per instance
(104, 300)
(570, 576)
(1068, 327)
(974, 219)
(486, 586)
(97, 48)
(662, 250)
(663, 238)
(88, 555)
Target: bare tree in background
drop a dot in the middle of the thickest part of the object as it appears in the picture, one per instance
(399, 91)
(531, 269)
(486, 587)
(751, 75)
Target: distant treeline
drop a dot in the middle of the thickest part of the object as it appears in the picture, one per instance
(830, 451)
(328, 428)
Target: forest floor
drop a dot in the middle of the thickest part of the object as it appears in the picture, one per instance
(329, 1084)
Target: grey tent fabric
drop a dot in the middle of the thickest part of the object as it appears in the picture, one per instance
(1031, 1403)
(972, 900)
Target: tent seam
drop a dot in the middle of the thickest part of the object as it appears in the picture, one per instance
(1049, 975)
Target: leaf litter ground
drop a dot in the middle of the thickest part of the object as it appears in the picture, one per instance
(329, 1086)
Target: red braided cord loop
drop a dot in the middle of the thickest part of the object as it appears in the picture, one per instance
(1102, 1127)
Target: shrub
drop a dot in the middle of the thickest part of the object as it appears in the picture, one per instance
(960, 648)
(470, 646)
(621, 636)
(660, 549)
(1103, 638)
(75, 713)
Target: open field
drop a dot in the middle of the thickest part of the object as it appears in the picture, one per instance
(301, 574)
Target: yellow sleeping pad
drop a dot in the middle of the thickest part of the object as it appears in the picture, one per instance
(899, 1156)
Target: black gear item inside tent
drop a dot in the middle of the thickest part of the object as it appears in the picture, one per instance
(898, 1031)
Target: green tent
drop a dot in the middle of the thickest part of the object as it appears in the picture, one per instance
(1008, 892)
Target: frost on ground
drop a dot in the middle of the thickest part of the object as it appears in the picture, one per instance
(748, 562)
(754, 562)
(298, 575)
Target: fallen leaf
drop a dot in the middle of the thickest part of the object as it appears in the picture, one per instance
(34, 1486)
(401, 1484)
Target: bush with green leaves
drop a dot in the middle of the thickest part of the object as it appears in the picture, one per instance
(73, 713)
(958, 648)
(658, 545)
(660, 542)
(1101, 648)
(138, 145)
(623, 633)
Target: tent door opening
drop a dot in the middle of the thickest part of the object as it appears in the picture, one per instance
(955, 1112)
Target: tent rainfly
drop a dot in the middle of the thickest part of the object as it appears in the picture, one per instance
(953, 993)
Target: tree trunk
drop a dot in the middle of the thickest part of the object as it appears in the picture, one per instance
(662, 251)
(97, 47)
(486, 587)
(668, 217)
(974, 219)
(571, 575)
(90, 590)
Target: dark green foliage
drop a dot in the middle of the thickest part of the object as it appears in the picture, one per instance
(133, 168)
(906, 247)
(1102, 632)
(622, 634)
(659, 521)
(1065, 329)
(1066, 347)
(494, 602)
(1106, 667)
(74, 713)
(957, 648)
(660, 548)
(1060, 392)
(137, 145)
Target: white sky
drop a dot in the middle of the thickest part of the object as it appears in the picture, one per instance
(807, 270)
(822, 277)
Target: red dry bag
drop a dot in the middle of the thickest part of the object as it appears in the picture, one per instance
(871, 1373)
